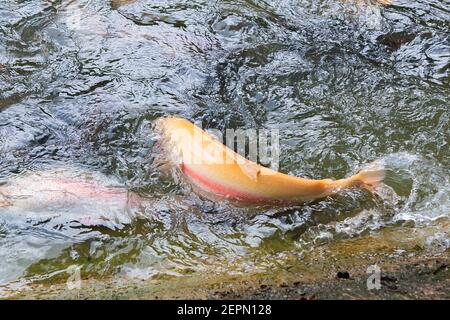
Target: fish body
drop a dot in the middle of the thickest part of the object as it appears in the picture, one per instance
(218, 171)
(64, 195)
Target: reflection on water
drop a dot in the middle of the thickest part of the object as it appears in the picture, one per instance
(81, 82)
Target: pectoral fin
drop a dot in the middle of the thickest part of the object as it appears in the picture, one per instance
(252, 171)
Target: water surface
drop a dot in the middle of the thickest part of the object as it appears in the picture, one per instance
(81, 82)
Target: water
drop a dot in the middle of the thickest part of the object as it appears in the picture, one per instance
(81, 82)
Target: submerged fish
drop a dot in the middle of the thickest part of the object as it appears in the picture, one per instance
(64, 195)
(72, 201)
(218, 172)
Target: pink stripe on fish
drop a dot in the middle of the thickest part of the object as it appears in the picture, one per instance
(222, 190)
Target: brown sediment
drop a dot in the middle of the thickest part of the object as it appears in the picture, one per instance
(425, 276)
(416, 273)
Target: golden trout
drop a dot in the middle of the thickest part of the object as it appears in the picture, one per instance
(217, 171)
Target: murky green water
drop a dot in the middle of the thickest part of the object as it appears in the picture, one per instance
(81, 82)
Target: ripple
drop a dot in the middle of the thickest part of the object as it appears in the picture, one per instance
(81, 83)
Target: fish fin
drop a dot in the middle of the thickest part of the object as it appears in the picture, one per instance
(250, 170)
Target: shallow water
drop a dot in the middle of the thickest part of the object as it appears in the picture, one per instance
(81, 82)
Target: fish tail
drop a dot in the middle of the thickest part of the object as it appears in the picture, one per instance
(370, 177)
